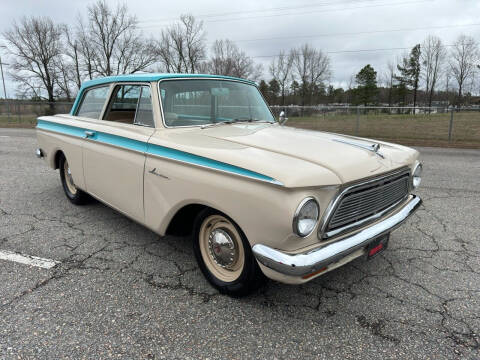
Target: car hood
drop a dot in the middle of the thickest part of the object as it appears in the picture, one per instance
(295, 157)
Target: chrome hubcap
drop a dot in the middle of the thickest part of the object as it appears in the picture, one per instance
(69, 179)
(222, 248)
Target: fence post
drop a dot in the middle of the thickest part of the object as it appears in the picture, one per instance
(450, 126)
(357, 125)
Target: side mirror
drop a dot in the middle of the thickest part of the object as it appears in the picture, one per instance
(282, 119)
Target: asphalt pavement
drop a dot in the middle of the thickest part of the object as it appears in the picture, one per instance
(121, 291)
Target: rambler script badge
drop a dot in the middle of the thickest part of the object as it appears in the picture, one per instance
(154, 172)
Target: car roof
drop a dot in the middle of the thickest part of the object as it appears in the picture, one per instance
(147, 77)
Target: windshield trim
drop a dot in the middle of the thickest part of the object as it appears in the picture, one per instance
(246, 82)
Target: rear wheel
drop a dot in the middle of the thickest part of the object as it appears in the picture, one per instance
(75, 195)
(224, 255)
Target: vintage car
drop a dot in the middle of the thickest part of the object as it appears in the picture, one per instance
(203, 155)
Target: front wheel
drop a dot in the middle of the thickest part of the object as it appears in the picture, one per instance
(75, 195)
(224, 255)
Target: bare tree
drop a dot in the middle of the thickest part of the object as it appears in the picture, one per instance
(36, 45)
(73, 52)
(111, 42)
(105, 29)
(133, 54)
(181, 47)
(65, 79)
(389, 78)
(280, 69)
(313, 69)
(195, 41)
(432, 57)
(88, 53)
(228, 59)
(463, 58)
(350, 87)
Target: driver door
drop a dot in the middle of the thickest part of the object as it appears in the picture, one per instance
(114, 150)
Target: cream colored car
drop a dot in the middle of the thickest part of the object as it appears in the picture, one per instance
(203, 155)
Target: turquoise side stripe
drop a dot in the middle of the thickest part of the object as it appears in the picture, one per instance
(153, 149)
(120, 141)
(60, 128)
(174, 154)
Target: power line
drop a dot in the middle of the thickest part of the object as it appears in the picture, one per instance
(265, 10)
(356, 33)
(350, 51)
(308, 12)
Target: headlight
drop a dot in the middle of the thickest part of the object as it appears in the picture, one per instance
(306, 217)
(417, 176)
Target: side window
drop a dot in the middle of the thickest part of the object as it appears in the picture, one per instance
(144, 110)
(130, 104)
(93, 101)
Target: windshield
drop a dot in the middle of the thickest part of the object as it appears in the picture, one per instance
(202, 102)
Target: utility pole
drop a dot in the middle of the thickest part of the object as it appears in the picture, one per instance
(4, 88)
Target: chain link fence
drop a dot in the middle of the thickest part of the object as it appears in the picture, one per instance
(21, 113)
(429, 126)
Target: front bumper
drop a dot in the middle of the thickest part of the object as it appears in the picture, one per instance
(313, 260)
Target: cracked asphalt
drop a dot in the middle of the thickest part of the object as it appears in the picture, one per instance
(121, 291)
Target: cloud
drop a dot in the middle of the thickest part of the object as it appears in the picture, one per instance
(294, 26)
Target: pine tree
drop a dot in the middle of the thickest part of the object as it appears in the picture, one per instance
(410, 72)
(366, 91)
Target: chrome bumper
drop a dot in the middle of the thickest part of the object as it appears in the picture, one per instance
(314, 260)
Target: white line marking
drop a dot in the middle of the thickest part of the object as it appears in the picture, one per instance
(4, 136)
(27, 259)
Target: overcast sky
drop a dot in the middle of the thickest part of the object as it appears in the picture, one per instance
(264, 28)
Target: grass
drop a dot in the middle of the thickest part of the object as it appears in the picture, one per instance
(14, 121)
(420, 129)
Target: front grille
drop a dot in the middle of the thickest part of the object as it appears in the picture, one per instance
(363, 201)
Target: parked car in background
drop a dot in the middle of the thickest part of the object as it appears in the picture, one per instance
(203, 155)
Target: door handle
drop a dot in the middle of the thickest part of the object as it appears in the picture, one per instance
(89, 133)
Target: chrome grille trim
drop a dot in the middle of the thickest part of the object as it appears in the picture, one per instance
(364, 202)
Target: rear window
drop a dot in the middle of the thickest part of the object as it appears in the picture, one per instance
(93, 102)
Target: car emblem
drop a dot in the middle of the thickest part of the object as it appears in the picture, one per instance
(154, 172)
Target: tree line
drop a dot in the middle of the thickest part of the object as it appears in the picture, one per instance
(50, 61)
(428, 73)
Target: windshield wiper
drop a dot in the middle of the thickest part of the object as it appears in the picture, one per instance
(243, 119)
(216, 124)
(250, 120)
(225, 122)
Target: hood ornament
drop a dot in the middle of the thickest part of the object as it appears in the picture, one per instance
(375, 147)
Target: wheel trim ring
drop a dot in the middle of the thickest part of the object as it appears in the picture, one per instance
(69, 179)
(233, 271)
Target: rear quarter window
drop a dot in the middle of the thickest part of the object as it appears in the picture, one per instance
(93, 102)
